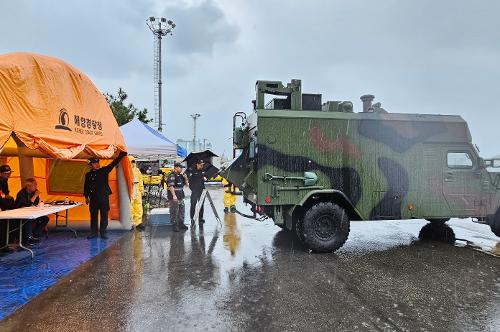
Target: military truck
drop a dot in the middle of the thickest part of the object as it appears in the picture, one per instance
(313, 167)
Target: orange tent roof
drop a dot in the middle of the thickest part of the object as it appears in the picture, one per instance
(52, 107)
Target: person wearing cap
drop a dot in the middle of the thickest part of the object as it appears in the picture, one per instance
(176, 182)
(197, 180)
(6, 201)
(96, 191)
(137, 193)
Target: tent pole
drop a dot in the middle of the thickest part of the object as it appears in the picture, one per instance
(26, 168)
(124, 199)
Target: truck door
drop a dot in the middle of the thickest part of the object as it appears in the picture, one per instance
(462, 182)
(434, 204)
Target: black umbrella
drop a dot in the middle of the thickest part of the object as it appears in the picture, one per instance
(193, 157)
(206, 156)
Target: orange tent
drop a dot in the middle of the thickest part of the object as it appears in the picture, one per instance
(52, 117)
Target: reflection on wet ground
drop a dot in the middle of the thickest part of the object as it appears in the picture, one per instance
(249, 275)
(22, 278)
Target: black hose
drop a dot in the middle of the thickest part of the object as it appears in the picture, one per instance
(249, 216)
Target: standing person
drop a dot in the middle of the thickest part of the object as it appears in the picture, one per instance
(96, 191)
(26, 197)
(137, 193)
(176, 182)
(6, 201)
(197, 180)
(229, 196)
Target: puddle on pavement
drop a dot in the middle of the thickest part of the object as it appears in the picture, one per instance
(220, 252)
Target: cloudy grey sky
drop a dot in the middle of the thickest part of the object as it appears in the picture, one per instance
(415, 56)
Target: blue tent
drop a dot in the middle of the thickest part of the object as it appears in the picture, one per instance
(145, 142)
(181, 152)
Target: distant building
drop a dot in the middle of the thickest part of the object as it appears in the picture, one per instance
(200, 145)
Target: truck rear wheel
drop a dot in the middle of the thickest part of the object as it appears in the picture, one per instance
(440, 232)
(438, 220)
(495, 223)
(325, 227)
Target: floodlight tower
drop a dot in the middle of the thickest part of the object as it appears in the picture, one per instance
(160, 28)
(195, 117)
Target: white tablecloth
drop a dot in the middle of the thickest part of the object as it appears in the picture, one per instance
(34, 212)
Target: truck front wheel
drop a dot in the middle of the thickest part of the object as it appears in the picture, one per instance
(325, 227)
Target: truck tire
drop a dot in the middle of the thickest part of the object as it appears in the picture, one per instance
(438, 220)
(325, 227)
(439, 232)
(495, 223)
(299, 230)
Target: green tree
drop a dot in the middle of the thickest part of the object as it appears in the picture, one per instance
(125, 113)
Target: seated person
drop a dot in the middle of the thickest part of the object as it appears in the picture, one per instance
(30, 196)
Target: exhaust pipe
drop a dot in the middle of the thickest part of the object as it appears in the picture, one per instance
(367, 102)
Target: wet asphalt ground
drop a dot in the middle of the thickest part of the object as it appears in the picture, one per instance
(247, 275)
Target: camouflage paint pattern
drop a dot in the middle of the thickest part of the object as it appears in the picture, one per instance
(389, 166)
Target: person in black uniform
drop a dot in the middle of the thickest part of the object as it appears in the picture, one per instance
(197, 180)
(26, 197)
(176, 182)
(96, 191)
(6, 201)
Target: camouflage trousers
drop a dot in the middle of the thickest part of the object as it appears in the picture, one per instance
(177, 211)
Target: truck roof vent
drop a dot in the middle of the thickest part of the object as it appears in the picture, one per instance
(338, 106)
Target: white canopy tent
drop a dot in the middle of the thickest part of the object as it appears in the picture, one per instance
(146, 143)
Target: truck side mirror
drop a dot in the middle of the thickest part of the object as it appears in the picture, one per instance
(483, 163)
(238, 137)
(252, 150)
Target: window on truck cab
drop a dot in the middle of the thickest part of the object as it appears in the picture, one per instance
(460, 160)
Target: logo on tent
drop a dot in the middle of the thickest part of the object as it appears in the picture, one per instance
(63, 120)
